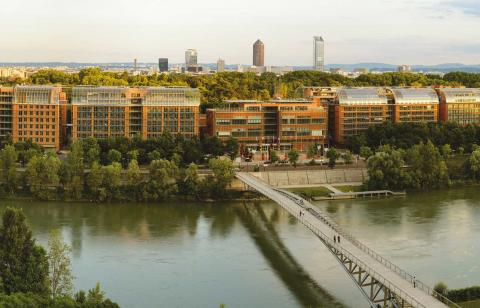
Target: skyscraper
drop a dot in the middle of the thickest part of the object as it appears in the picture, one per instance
(318, 53)
(258, 53)
(220, 65)
(163, 64)
(190, 58)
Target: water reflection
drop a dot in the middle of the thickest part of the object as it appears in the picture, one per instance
(262, 231)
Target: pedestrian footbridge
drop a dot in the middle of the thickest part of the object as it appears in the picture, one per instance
(382, 283)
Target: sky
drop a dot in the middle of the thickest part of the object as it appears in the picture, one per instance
(387, 31)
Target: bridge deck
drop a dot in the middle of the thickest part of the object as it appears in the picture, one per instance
(388, 274)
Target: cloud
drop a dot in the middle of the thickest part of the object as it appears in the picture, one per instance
(470, 7)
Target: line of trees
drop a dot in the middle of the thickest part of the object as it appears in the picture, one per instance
(461, 138)
(216, 88)
(33, 277)
(423, 166)
(119, 169)
(458, 295)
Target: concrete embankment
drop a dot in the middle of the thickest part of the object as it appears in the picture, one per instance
(302, 178)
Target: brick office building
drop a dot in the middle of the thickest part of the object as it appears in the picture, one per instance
(281, 124)
(147, 112)
(37, 115)
(460, 105)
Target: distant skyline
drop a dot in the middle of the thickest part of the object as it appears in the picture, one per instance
(390, 31)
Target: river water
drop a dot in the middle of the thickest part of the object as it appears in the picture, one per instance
(254, 255)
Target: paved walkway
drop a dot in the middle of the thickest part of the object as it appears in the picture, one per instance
(397, 280)
(333, 189)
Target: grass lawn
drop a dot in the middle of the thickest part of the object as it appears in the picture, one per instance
(348, 188)
(470, 304)
(310, 192)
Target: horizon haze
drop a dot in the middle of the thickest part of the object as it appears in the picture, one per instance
(399, 32)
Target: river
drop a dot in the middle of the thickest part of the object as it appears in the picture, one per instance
(254, 255)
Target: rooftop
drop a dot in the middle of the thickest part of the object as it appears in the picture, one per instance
(361, 96)
(415, 96)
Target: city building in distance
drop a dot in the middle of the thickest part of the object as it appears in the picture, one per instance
(147, 112)
(404, 68)
(191, 61)
(318, 53)
(191, 57)
(220, 65)
(162, 65)
(258, 53)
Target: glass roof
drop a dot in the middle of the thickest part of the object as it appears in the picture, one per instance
(461, 95)
(362, 96)
(415, 96)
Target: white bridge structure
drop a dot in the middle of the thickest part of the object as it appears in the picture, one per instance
(382, 283)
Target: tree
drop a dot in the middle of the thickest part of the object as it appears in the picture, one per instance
(23, 264)
(42, 175)
(133, 180)
(365, 151)
(154, 155)
(427, 167)
(114, 156)
(8, 171)
(223, 175)
(473, 164)
(73, 179)
(347, 157)
(162, 183)
(61, 279)
(212, 145)
(332, 156)
(111, 181)
(293, 157)
(95, 180)
(312, 150)
(274, 156)
(441, 288)
(446, 150)
(231, 147)
(190, 186)
(385, 171)
(91, 150)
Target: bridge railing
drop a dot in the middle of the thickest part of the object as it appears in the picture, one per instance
(402, 273)
(376, 275)
(327, 220)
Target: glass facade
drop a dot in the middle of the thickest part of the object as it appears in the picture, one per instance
(318, 53)
(142, 111)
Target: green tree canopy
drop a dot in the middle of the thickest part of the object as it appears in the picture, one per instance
(23, 264)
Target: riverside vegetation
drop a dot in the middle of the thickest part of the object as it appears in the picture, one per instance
(118, 169)
(33, 277)
(419, 156)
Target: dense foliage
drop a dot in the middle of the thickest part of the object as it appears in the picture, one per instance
(106, 170)
(216, 88)
(422, 166)
(28, 275)
(406, 135)
(458, 295)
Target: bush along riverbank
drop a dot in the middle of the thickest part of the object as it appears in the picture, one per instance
(82, 176)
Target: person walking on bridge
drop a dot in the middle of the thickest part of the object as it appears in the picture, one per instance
(338, 239)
